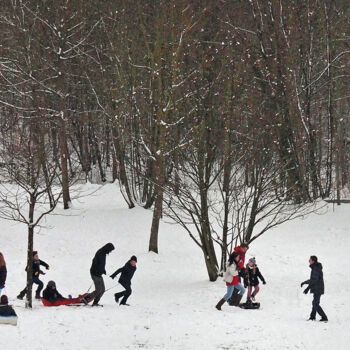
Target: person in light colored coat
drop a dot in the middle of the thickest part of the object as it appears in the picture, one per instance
(231, 277)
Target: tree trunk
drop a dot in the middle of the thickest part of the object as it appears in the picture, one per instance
(64, 164)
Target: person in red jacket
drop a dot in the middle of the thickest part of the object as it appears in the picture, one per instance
(241, 250)
(231, 277)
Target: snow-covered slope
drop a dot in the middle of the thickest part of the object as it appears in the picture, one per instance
(172, 305)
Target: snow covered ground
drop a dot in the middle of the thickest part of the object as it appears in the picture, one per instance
(172, 305)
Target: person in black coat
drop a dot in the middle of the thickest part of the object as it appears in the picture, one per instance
(127, 272)
(36, 273)
(5, 309)
(251, 279)
(316, 287)
(3, 272)
(98, 268)
(51, 294)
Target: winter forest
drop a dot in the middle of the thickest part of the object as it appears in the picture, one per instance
(225, 118)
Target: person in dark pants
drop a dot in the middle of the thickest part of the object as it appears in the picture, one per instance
(3, 272)
(127, 272)
(36, 272)
(96, 271)
(316, 286)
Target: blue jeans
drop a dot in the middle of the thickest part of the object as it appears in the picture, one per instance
(241, 289)
(230, 289)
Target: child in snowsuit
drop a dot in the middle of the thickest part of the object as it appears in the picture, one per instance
(127, 272)
(3, 272)
(36, 272)
(51, 294)
(251, 279)
(5, 309)
(231, 277)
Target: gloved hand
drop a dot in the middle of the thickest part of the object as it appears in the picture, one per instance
(69, 296)
(264, 282)
(306, 290)
(301, 284)
(36, 273)
(48, 267)
(112, 276)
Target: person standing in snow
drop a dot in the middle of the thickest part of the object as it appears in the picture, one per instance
(241, 250)
(251, 280)
(98, 268)
(316, 286)
(127, 272)
(231, 277)
(36, 272)
(3, 272)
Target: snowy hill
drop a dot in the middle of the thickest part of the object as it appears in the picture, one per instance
(172, 305)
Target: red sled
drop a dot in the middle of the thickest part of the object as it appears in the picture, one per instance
(65, 301)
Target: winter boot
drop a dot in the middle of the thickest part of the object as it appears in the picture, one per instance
(324, 319)
(311, 319)
(116, 297)
(21, 295)
(220, 303)
(238, 300)
(249, 301)
(37, 296)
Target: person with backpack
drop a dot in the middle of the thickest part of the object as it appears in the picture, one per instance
(316, 287)
(127, 273)
(251, 280)
(36, 273)
(232, 279)
(98, 268)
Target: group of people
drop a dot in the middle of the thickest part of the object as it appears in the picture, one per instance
(235, 271)
(97, 269)
(250, 273)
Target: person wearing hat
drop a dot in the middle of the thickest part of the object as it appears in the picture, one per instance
(127, 273)
(6, 309)
(251, 279)
(51, 294)
(36, 273)
(316, 286)
(98, 268)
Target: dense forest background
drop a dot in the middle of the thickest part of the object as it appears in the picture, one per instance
(229, 117)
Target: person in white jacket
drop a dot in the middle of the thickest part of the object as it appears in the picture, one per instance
(231, 277)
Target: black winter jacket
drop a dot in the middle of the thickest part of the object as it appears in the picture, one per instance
(7, 310)
(316, 283)
(3, 274)
(127, 272)
(36, 267)
(52, 295)
(252, 278)
(99, 261)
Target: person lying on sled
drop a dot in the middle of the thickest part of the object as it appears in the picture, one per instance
(51, 294)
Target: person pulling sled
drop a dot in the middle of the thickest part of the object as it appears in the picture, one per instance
(96, 271)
